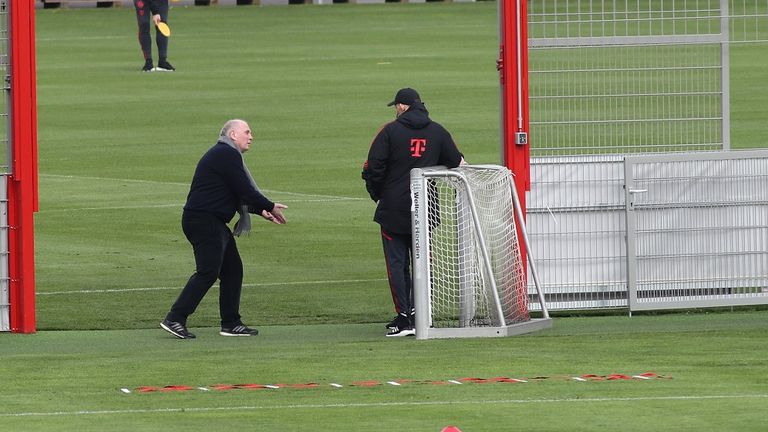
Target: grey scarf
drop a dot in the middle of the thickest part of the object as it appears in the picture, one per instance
(243, 225)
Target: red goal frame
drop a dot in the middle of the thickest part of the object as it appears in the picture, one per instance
(23, 181)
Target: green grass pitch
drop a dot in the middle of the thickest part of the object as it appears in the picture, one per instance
(117, 151)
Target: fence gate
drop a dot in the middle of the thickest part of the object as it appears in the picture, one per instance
(697, 229)
(576, 224)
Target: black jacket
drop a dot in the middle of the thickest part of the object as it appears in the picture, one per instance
(413, 140)
(221, 185)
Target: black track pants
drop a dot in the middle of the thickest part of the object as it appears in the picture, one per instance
(216, 257)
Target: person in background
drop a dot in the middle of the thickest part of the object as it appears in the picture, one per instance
(149, 12)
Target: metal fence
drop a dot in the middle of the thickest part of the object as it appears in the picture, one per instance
(625, 76)
(611, 78)
(5, 98)
(5, 309)
(697, 229)
(4, 168)
(576, 224)
(628, 76)
(651, 231)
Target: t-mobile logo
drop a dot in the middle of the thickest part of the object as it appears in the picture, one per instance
(418, 145)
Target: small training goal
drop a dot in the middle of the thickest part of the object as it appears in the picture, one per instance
(468, 273)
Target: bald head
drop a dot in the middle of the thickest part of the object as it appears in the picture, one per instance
(239, 132)
(230, 124)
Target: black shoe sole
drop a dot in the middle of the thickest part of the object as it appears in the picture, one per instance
(224, 332)
(237, 334)
(178, 335)
(403, 333)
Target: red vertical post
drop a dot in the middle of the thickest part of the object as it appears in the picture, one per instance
(23, 182)
(513, 70)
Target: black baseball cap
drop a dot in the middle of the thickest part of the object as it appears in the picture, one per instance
(405, 96)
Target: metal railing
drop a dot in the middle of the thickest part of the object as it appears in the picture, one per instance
(651, 231)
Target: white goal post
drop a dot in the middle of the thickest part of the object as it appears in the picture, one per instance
(468, 276)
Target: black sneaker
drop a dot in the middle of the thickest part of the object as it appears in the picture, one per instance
(400, 320)
(164, 66)
(402, 326)
(401, 331)
(392, 324)
(238, 330)
(148, 66)
(177, 329)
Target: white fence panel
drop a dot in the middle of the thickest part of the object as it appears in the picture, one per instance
(697, 230)
(651, 231)
(576, 223)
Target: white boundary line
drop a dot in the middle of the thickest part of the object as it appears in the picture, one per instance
(79, 38)
(140, 207)
(318, 197)
(384, 405)
(125, 180)
(180, 205)
(163, 288)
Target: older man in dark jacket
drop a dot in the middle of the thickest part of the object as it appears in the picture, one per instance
(221, 187)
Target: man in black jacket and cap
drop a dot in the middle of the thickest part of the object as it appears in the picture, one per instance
(412, 140)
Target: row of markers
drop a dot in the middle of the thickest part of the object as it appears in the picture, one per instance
(401, 382)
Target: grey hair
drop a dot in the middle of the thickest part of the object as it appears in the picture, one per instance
(229, 125)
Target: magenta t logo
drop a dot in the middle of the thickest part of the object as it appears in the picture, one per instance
(418, 145)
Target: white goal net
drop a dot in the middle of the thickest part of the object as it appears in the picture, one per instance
(469, 278)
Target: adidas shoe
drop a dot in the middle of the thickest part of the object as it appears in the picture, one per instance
(164, 66)
(148, 66)
(403, 326)
(392, 324)
(177, 329)
(238, 330)
(401, 331)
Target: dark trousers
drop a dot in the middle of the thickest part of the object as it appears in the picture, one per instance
(397, 255)
(144, 18)
(216, 256)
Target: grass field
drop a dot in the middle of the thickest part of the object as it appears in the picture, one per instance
(117, 151)
(713, 367)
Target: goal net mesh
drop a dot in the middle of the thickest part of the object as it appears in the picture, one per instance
(461, 292)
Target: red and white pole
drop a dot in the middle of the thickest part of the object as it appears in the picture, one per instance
(23, 181)
(513, 71)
